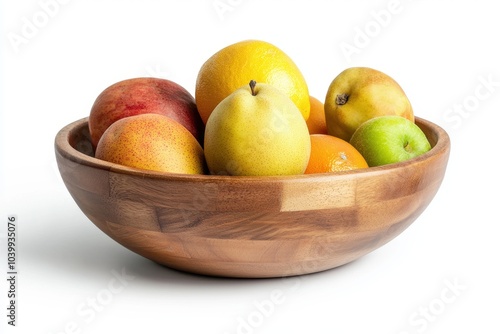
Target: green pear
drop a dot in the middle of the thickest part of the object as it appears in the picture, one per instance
(257, 131)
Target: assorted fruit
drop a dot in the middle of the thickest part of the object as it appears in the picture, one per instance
(253, 115)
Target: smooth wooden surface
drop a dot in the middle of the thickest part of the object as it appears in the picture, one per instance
(250, 226)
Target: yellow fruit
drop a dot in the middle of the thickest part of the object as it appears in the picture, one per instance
(257, 131)
(235, 65)
(358, 94)
(153, 142)
(316, 122)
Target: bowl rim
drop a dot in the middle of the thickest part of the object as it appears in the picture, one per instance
(65, 149)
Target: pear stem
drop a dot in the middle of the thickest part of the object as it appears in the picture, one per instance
(341, 99)
(252, 87)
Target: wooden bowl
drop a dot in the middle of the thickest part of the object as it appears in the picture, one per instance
(250, 226)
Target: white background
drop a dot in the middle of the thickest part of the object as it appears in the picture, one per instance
(439, 276)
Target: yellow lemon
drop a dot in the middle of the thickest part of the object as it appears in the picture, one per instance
(235, 65)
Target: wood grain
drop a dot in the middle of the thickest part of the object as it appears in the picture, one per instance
(250, 226)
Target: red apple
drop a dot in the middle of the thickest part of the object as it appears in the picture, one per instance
(144, 96)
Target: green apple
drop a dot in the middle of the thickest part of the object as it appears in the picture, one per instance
(388, 139)
(257, 131)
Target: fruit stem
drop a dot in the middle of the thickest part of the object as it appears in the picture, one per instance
(407, 146)
(252, 87)
(341, 99)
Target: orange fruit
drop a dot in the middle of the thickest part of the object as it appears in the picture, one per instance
(316, 122)
(235, 65)
(332, 154)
